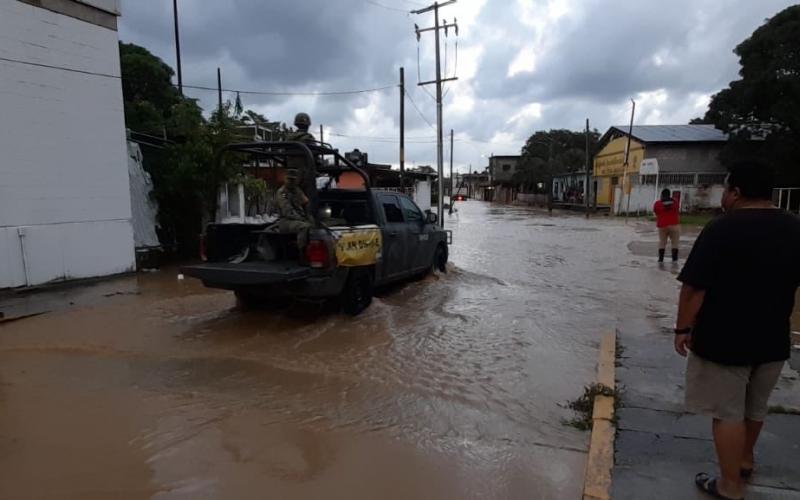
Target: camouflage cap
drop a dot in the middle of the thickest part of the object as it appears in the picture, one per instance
(302, 120)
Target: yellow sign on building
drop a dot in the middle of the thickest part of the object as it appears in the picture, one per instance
(609, 167)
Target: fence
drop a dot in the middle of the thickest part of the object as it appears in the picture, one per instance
(699, 191)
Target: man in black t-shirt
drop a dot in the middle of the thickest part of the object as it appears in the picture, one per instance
(734, 316)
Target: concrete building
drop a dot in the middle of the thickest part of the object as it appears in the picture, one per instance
(65, 204)
(475, 186)
(501, 172)
(570, 187)
(683, 158)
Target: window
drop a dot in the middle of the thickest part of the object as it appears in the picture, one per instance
(391, 209)
(506, 167)
(411, 210)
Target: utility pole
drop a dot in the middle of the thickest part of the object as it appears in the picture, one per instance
(402, 128)
(625, 164)
(452, 195)
(177, 46)
(219, 88)
(587, 192)
(321, 134)
(439, 140)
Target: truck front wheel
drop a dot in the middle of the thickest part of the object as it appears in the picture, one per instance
(357, 294)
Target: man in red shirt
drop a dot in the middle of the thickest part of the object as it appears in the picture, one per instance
(668, 221)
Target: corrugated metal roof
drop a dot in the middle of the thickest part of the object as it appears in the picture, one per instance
(675, 133)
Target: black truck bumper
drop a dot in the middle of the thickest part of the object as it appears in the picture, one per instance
(271, 278)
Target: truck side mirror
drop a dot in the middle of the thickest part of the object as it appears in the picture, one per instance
(430, 217)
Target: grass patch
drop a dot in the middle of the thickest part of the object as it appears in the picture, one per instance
(700, 219)
(584, 406)
(619, 352)
(782, 410)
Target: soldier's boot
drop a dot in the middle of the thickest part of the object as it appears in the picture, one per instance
(674, 255)
(661, 252)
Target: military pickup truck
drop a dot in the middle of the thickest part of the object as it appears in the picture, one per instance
(362, 239)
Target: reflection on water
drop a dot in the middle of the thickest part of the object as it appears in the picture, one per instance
(448, 387)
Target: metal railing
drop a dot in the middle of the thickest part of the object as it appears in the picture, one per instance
(787, 198)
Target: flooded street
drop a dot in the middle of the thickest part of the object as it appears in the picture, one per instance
(449, 387)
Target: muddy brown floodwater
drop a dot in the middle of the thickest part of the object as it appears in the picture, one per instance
(449, 387)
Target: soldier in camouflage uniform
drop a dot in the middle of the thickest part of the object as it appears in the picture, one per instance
(307, 173)
(302, 121)
(293, 209)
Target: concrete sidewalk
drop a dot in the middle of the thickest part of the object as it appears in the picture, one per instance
(659, 448)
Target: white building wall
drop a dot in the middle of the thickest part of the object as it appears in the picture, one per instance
(422, 195)
(63, 159)
(643, 197)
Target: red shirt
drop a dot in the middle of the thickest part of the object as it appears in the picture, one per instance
(666, 213)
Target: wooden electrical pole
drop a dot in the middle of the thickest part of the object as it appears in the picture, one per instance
(321, 134)
(402, 127)
(625, 164)
(219, 89)
(439, 80)
(177, 46)
(587, 191)
(452, 195)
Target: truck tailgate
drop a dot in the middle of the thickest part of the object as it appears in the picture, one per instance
(247, 273)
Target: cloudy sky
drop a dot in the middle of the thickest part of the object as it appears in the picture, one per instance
(523, 65)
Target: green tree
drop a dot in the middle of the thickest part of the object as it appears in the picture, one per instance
(547, 153)
(186, 175)
(763, 104)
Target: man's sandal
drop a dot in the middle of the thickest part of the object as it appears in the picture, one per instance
(709, 485)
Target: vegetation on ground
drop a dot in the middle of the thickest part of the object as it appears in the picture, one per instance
(584, 405)
(782, 410)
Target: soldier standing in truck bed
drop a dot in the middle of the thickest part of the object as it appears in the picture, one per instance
(293, 209)
(306, 172)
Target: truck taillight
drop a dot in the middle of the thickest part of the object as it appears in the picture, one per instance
(317, 254)
(203, 255)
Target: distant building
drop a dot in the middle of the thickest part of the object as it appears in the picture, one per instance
(65, 203)
(501, 172)
(683, 158)
(570, 187)
(475, 186)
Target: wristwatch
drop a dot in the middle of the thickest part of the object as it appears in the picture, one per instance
(683, 331)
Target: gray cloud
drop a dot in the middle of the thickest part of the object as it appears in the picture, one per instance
(587, 61)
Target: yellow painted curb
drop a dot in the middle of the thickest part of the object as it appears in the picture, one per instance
(597, 481)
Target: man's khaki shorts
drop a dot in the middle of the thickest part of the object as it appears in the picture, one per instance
(730, 393)
(671, 233)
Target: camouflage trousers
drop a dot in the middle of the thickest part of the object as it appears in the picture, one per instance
(300, 227)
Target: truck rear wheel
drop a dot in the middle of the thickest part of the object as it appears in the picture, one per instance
(357, 294)
(247, 299)
(440, 259)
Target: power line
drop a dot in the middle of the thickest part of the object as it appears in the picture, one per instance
(200, 87)
(372, 2)
(62, 68)
(414, 104)
(411, 140)
(310, 93)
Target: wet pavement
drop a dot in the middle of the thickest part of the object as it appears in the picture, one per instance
(449, 387)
